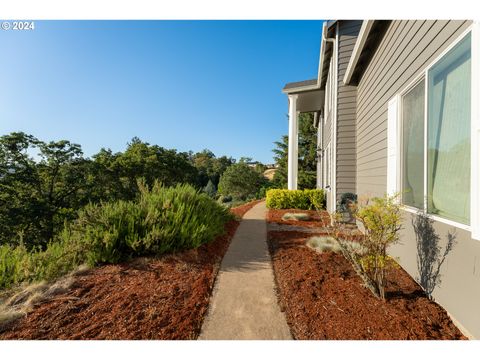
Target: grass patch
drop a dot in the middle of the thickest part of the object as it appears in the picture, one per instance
(324, 244)
(296, 216)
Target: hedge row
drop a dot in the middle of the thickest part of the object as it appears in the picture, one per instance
(296, 199)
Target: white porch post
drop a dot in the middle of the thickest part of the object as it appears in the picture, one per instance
(292, 142)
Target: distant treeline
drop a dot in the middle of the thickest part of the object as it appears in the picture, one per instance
(38, 195)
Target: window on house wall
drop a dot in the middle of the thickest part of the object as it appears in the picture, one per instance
(445, 158)
(449, 124)
(413, 114)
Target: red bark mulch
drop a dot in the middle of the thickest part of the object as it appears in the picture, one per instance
(324, 298)
(317, 219)
(162, 298)
(242, 209)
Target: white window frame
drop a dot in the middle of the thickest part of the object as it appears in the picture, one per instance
(417, 80)
(395, 119)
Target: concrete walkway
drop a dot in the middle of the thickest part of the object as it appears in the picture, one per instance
(244, 304)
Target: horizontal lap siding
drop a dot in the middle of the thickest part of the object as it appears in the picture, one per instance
(406, 49)
(346, 105)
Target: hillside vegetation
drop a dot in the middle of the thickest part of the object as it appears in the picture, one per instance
(163, 219)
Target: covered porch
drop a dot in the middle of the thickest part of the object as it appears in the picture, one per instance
(303, 96)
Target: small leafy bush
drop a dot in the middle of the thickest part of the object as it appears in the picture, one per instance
(295, 199)
(316, 198)
(17, 264)
(381, 221)
(13, 265)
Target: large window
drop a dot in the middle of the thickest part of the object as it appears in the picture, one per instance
(445, 158)
(413, 105)
(449, 124)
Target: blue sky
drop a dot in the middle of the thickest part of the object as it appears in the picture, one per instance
(186, 85)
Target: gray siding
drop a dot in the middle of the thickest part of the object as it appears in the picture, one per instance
(407, 48)
(459, 290)
(346, 105)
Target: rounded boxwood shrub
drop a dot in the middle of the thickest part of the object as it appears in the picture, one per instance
(296, 199)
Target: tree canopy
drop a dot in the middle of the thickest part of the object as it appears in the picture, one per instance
(307, 161)
(45, 184)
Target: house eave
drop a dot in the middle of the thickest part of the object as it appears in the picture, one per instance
(300, 89)
(357, 50)
(327, 32)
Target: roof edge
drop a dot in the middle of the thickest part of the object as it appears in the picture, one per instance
(300, 86)
(357, 50)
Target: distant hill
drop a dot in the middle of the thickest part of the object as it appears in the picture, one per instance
(269, 173)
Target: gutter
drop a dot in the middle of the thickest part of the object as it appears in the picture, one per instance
(334, 41)
(322, 49)
(301, 89)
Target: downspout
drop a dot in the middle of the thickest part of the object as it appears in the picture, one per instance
(320, 159)
(334, 42)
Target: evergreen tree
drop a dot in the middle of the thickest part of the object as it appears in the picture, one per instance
(210, 189)
(307, 161)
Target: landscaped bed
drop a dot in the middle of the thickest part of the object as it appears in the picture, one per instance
(146, 298)
(324, 298)
(317, 219)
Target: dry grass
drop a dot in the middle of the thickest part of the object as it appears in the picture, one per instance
(296, 216)
(323, 244)
(353, 247)
(18, 302)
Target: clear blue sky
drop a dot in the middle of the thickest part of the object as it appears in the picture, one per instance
(186, 85)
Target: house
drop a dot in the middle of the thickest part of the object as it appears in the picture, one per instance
(396, 107)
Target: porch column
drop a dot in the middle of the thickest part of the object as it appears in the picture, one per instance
(292, 142)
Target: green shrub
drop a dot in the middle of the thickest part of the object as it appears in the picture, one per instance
(13, 265)
(162, 220)
(262, 192)
(210, 189)
(241, 181)
(17, 264)
(381, 221)
(295, 199)
(225, 199)
(316, 198)
(59, 258)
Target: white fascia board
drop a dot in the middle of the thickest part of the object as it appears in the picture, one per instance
(357, 49)
(301, 89)
(320, 65)
(322, 49)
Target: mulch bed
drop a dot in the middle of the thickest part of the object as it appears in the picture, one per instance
(318, 219)
(161, 298)
(324, 298)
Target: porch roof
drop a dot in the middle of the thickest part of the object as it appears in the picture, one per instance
(309, 98)
(299, 86)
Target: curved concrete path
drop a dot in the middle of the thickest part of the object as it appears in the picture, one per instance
(244, 304)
